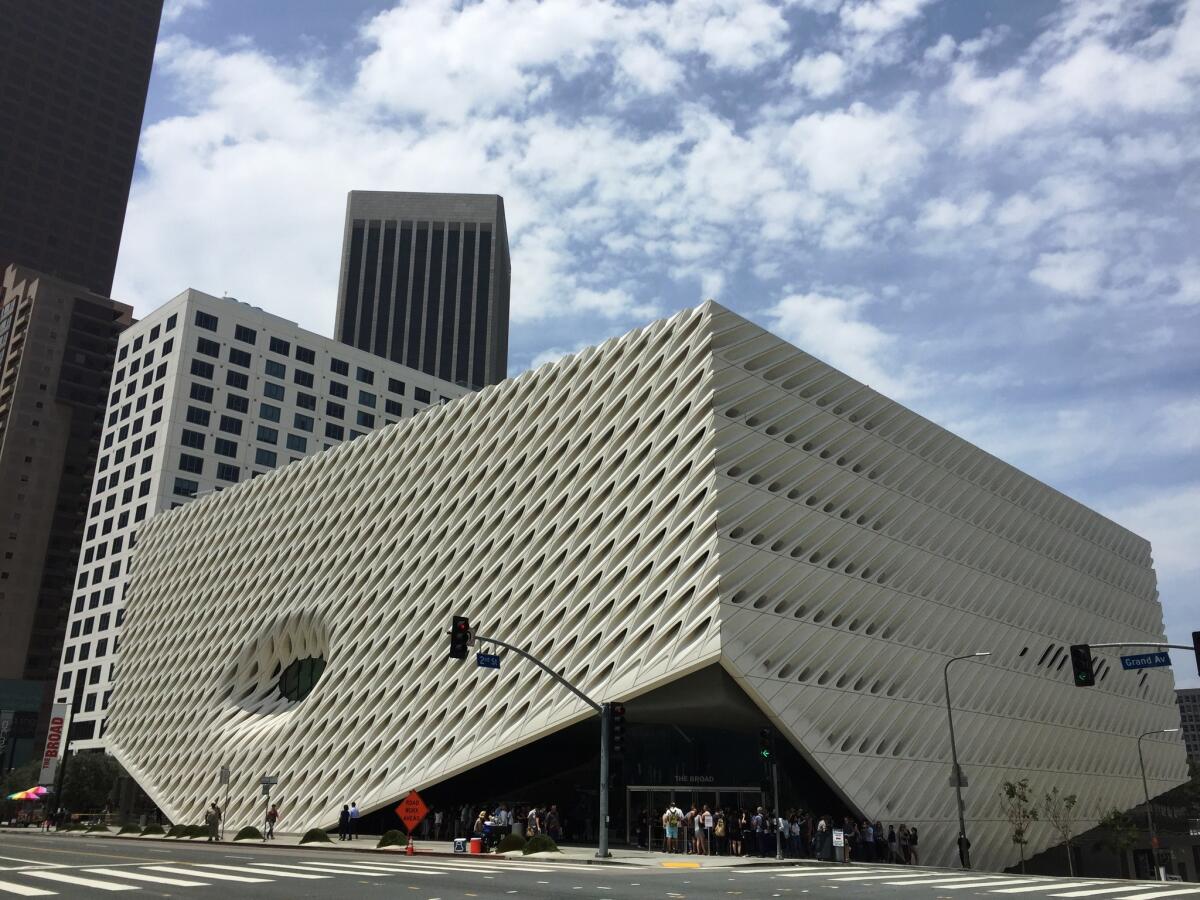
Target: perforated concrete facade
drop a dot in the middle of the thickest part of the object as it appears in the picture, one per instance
(692, 493)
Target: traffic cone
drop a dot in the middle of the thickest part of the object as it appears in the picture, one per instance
(410, 850)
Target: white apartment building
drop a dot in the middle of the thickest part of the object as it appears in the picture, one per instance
(207, 392)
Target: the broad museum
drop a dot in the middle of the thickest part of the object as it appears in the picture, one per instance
(696, 519)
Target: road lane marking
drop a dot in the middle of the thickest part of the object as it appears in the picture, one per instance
(83, 882)
(1155, 894)
(1097, 891)
(1042, 887)
(1002, 882)
(142, 876)
(24, 890)
(219, 876)
(279, 872)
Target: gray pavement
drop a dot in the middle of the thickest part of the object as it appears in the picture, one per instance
(71, 866)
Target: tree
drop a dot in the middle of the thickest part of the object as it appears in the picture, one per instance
(90, 781)
(1020, 812)
(1060, 811)
(1118, 834)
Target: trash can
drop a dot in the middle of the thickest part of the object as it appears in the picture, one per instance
(476, 845)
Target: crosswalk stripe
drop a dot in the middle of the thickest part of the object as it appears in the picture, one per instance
(451, 866)
(826, 873)
(840, 877)
(1097, 891)
(382, 867)
(1003, 882)
(83, 882)
(219, 876)
(332, 868)
(277, 872)
(1155, 894)
(24, 890)
(141, 876)
(935, 882)
(1043, 887)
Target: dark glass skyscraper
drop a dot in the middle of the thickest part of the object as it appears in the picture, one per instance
(73, 80)
(425, 282)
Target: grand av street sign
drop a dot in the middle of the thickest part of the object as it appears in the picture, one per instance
(1146, 660)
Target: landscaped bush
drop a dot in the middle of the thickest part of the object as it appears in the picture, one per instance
(511, 842)
(153, 829)
(393, 838)
(129, 829)
(249, 833)
(91, 829)
(315, 836)
(179, 831)
(541, 843)
(197, 831)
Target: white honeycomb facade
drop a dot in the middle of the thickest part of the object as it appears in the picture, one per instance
(695, 492)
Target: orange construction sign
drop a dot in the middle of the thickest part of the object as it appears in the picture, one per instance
(412, 810)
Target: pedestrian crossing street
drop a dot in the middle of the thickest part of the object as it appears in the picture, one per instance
(42, 880)
(1016, 886)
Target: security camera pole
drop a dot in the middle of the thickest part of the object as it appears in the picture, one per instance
(463, 636)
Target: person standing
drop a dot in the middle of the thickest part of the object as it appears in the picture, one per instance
(344, 823)
(893, 849)
(964, 850)
(272, 818)
(672, 819)
(913, 852)
(553, 823)
(437, 824)
(905, 853)
(213, 820)
(353, 821)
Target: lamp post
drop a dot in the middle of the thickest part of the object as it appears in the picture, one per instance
(963, 845)
(1146, 790)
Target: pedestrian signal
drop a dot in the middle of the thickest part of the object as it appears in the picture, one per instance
(1081, 665)
(460, 637)
(616, 728)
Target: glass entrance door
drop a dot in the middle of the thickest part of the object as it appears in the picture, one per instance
(645, 805)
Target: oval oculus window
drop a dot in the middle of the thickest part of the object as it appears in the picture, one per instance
(298, 679)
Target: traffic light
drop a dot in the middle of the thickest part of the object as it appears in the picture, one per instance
(765, 749)
(1081, 664)
(616, 728)
(460, 637)
(1196, 647)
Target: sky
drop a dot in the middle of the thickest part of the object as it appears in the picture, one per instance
(986, 210)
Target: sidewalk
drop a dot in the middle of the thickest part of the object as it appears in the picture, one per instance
(367, 844)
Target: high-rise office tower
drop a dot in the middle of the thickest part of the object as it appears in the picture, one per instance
(425, 283)
(73, 80)
(207, 392)
(57, 345)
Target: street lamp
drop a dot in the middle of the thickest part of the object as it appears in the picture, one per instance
(964, 850)
(1146, 790)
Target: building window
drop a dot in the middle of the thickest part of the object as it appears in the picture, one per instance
(244, 334)
(193, 439)
(201, 392)
(297, 443)
(338, 389)
(227, 472)
(239, 357)
(273, 391)
(193, 464)
(203, 320)
(421, 395)
(393, 407)
(336, 410)
(268, 435)
(366, 376)
(396, 386)
(202, 369)
(264, 457)
(207, 347)
(268, 412)
(303, 422)
(306, 356)
(231, 424)
(297, 680)
(278, 345)
(238, 380)
(305, 401)
(366, 419)
(225, 447)
(339, 366)
(198, 416)
(302, 378)
(167, 347)
(185, 487)
(336, 432)
(276, 369)
(237, 403)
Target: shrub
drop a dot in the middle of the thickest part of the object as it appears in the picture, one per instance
(393, 838)
(129, 829)
(179, 831)
(511, 842)
(92, 829)
(315, 836)
(541, 843)
(249, 833)
(197, 831)
(153, 829)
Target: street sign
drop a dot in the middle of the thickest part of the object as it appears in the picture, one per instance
(839, 837)
(960, 780)
(412, 810)
(487, 660)
(224, 776)
(269, 779)
(1146, 660)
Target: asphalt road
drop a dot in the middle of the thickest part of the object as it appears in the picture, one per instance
(36, 865)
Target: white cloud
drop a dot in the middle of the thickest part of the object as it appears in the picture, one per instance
(174, 9)
(822, 76)
(1167, 517)
(1077, 272)
(942, 213)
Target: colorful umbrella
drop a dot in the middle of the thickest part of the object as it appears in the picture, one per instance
(34, 793)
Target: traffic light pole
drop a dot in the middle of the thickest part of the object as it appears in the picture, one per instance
(776, 804)
(605, 725)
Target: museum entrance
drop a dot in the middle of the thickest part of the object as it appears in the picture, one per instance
(645, 805)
